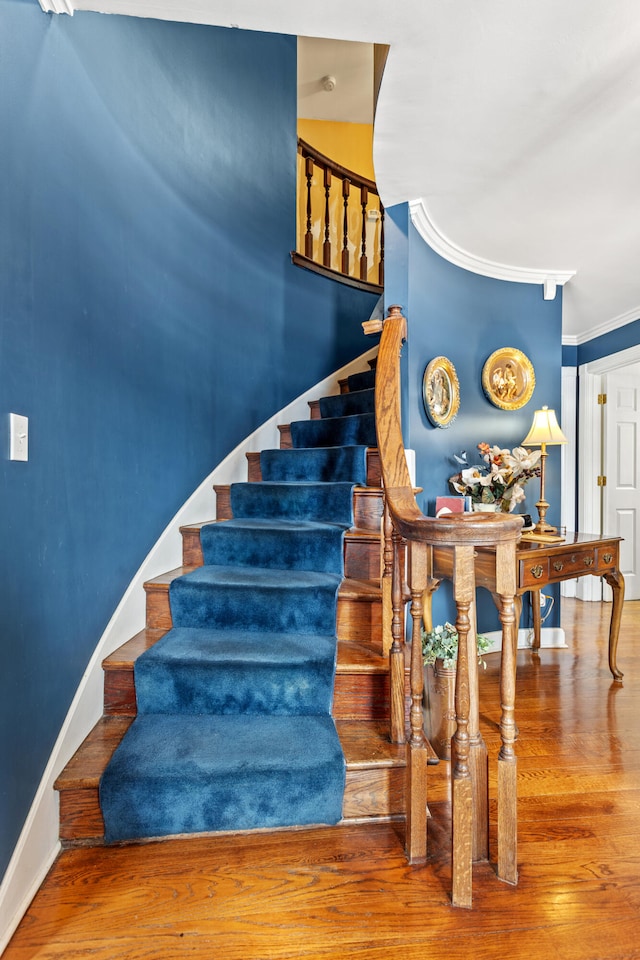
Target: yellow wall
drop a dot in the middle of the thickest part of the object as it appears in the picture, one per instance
(350, 144)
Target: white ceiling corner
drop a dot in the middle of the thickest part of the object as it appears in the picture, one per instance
(518, 123)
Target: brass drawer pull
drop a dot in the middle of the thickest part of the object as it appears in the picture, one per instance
(588, 561)
(608, 557)
(537, 571)
(558, 565)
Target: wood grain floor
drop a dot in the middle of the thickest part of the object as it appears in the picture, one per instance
(348, 892)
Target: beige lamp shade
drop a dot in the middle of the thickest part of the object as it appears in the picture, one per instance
(544, 429)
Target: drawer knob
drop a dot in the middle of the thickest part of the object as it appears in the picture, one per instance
(537, 571)
(608, 557)
(588, 561)
(558, 565)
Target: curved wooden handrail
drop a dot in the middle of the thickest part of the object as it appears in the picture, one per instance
(411, 523)
(455, 537)
(326, 163)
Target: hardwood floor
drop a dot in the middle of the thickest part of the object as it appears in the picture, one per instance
(348, 892)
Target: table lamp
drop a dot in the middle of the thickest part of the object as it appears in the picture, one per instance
(544, 431)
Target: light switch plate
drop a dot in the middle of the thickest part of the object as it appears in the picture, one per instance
(18, 437)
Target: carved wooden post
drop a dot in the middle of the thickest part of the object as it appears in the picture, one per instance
(364, 199)
(507, 764)
(308, 237)
(416, 770)
(396, 655)
(387, 574)
(345, 226)
(478, 759)
(461, 787)
(326, 246)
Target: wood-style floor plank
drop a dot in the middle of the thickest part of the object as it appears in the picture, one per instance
(349, 892)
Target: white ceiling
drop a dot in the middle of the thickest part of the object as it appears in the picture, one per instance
(350, 66)
(517, 124)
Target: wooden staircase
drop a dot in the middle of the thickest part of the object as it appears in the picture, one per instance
(375, 782)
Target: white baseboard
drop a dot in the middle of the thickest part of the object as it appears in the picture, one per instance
(38, 844)
(550, 637)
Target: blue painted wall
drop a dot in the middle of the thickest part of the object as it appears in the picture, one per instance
(149, 318)
(612, 342)
(465, 317)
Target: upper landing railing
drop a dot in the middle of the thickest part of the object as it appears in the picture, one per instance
(340, 222)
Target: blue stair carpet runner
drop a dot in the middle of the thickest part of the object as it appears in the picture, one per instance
(234, 728)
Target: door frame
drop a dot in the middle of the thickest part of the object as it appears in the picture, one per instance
(590, 448)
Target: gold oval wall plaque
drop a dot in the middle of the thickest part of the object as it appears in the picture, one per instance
(441, 392)
(508, 378)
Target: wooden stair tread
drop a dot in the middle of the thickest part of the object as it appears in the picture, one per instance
(365, 743)
(359, 657)
(351, 588)
(126, 654)
(353, 656)
(85, 767)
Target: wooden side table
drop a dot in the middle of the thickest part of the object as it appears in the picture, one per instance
(578, 555)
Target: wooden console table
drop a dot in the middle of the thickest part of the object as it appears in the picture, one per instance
(578, 555)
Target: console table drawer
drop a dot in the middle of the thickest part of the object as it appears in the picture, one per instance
(534, 571)
(573, 564)
(606, 558)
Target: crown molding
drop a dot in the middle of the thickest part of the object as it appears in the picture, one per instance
(57, 6)
(629, 316)
(549, 279)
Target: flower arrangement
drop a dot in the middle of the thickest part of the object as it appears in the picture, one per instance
(441, 643)
(500, 477)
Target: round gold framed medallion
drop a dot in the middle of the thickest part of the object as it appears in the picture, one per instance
(508, 378)
(441, 392)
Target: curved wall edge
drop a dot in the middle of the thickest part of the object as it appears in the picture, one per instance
(38, 844)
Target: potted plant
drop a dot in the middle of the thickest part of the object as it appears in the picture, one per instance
(440, 654)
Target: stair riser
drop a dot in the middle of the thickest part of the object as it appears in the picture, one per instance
(368, 505)
(373, 467)
(368, 793)
(361, 556)
(356, 619)
(357, 696)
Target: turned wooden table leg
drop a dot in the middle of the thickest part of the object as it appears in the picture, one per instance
(416, 768)
(616, 581)
(462, 812)
(478, 760)
(507, 763)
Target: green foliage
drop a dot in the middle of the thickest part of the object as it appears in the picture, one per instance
(441, 643)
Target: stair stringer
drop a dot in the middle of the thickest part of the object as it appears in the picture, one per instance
(38, 843)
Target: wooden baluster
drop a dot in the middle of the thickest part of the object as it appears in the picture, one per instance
(396, 654)
(364, 199)
(345, 226)
(462, 787)
(387, 574)
(416, 769)
(381, 263)
(478, 760)
(326, 246)
(308, 237)
(507, 763)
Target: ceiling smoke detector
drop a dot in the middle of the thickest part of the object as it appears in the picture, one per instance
(328, 83)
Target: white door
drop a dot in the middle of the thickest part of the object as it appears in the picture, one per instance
(621, 504)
